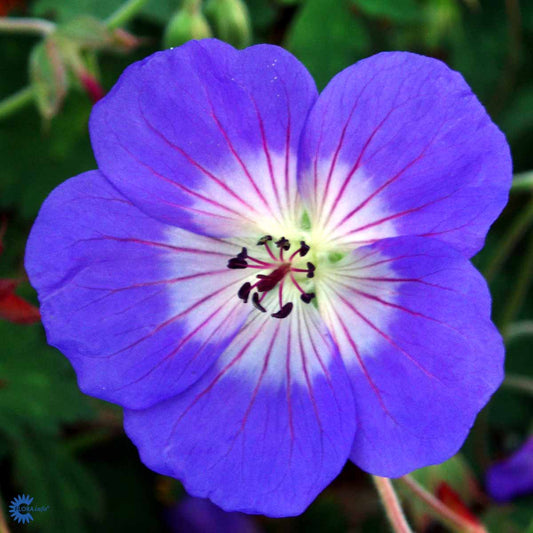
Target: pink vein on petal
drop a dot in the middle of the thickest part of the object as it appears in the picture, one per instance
(171, 320)
(267, 153)
(386, 337)
(187, 339)
(197, 165)
(363, 367)
(388, 182)
(217, 378)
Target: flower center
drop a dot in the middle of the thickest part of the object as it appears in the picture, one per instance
(280, 268)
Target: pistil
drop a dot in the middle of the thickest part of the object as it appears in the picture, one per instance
(280, 268)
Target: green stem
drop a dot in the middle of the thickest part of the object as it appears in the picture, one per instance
(26, 25)
(519, 383)
(517, 229)
(124, 13)
(16, 101)
(522, 182)
(391, 504)
(522, 328)
(519, 293)
(441, 511)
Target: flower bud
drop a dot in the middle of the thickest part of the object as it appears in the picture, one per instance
(48, 75)
(441, 17)
(91, 85)
(188, 23)
(231, 21)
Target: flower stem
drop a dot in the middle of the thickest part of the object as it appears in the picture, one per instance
(522, 182)
(26, 25)
(522, 328)
(124, 13)
(441, 511)
(392, 506)
(519, 293)
(517, 229)
(16, 101)
(519, 383)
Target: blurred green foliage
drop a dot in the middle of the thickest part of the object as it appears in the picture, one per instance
(68, 450)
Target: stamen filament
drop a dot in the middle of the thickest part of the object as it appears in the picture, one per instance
(259, 262)
(258, 266)
(296, 284)
(304, 248)
(276, 277)
(274, 258)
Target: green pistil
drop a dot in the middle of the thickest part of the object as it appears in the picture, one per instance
(335, 257)
(305, 223)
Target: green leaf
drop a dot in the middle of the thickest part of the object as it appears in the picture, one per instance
(327, 37)
(49, 77)
(62, 151)
(64, 10)
(38, 396)
(39, 388)
(398, 11)
(456, 472)
(87, 32)
(160, 10)
(43, 468)
(514, 518)
(479, 35)
(530, 527)
(263, 16)
(517, 118)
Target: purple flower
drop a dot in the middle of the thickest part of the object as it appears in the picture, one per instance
(272, 282)
(196, 515)
(513, 476)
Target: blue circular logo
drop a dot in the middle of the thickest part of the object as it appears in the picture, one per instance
(19, 509)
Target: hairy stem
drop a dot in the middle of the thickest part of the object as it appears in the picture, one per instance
(522, 182)
(26, 25)
(519, 383)
(441, 511)
(520, 290)
(517, 229)
(391, 504)
(124, 13)
(16, 101)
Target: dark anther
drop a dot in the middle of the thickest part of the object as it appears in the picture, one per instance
(283, 243)
(243, 254)
(264, 240)
(237, 262)
(307, 297)
(244, 291)
(284, 311)
(255, 301)
(310, 270)
(304, 248)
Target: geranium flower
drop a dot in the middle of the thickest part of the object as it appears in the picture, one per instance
(513, 476)
(195, 515)
(272, 282)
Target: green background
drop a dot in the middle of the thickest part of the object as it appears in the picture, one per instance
(68, 450)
